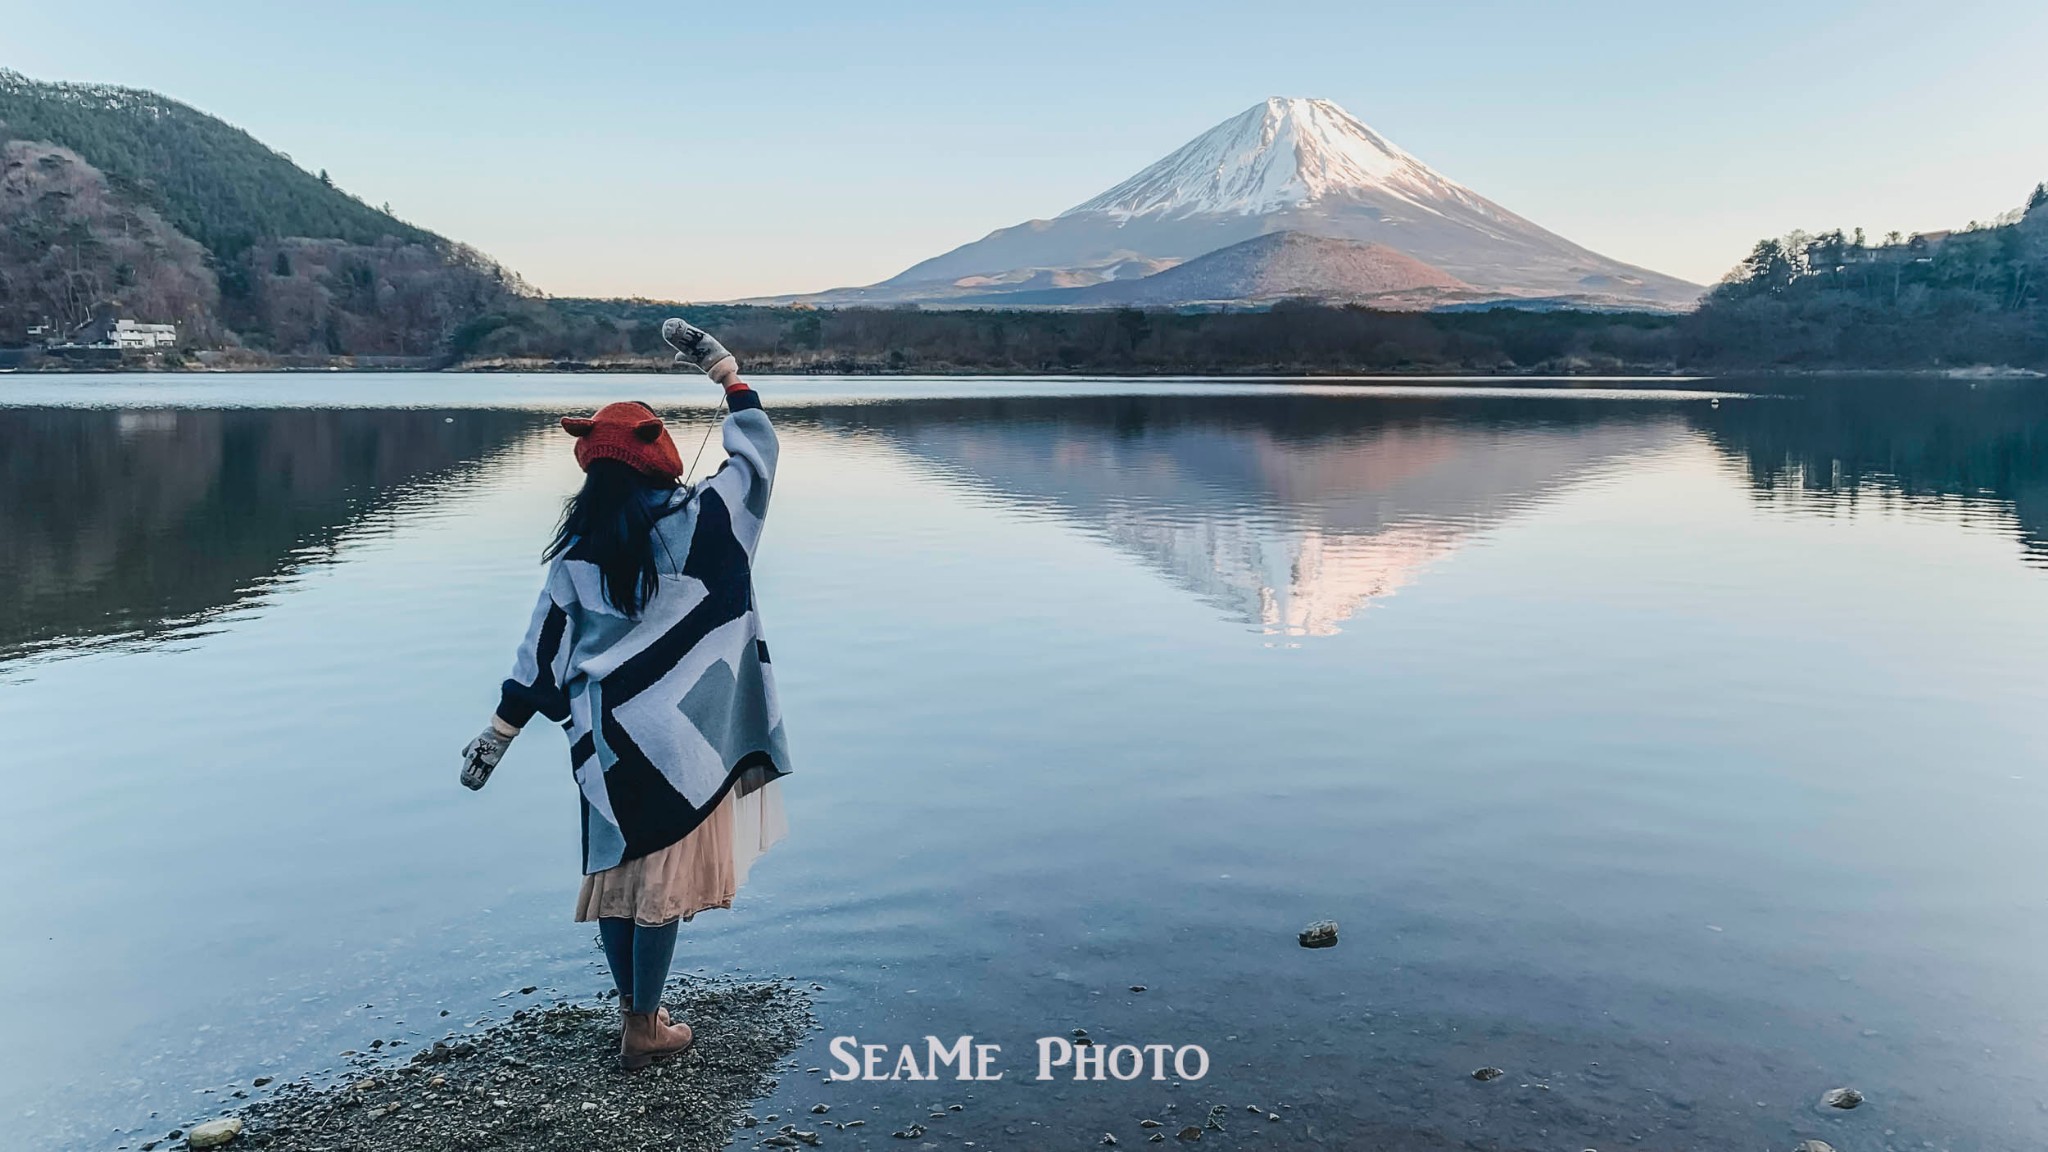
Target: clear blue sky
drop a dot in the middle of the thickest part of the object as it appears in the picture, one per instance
(697, 152)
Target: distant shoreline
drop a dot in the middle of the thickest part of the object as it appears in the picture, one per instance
(1274, 372)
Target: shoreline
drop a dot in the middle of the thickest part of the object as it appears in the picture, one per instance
(1278, 372)
(544, 1080)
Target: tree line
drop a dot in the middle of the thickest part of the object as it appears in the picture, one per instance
(1287, 339)
(1832, 300)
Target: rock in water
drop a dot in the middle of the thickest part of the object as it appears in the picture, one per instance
(1487, 1074)
(214, 1133)
(1814, 1146)
(1321, 934)
(1841, 1098)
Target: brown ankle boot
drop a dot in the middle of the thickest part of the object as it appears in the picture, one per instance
(645, 1037)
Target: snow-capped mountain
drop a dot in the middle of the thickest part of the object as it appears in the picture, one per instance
(1284, 165)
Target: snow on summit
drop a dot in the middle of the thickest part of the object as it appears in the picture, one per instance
(1284, 153)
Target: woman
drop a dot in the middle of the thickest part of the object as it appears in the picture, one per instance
(647, 649)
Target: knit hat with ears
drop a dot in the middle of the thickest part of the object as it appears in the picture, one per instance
(628, 432)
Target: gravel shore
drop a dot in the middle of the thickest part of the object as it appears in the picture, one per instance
(546, 1081)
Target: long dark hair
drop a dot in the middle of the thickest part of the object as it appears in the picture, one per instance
(610, 523)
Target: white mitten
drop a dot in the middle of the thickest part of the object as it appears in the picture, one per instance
(480, 758)
(694, 345)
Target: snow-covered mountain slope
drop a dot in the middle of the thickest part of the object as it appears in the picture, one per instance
(1285, 165)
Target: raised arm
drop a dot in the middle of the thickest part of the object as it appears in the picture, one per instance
(746, 479)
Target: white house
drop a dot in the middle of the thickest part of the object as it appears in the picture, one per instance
(107, 332)
(129, 334)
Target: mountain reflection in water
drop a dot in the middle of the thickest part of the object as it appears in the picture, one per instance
(1290, 512)
(136, 525)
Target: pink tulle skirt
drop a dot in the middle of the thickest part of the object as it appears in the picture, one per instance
(702, 870)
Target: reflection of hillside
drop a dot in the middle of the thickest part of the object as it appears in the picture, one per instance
(124, 523)
(1289, 512)
(1982, 450)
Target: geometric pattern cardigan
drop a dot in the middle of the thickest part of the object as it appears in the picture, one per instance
(669, 712)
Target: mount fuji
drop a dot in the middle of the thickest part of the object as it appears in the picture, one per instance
(1282, 166)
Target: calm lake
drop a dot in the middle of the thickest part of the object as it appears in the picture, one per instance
(1677, 748)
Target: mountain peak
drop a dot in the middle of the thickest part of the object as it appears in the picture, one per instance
(1282, 153)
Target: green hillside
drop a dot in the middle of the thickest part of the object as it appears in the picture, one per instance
(123, 200)
(210, 180)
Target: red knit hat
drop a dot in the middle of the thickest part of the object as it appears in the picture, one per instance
(628, 432)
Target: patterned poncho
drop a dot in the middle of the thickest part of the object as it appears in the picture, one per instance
(669, 712)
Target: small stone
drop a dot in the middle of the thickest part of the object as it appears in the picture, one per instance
(1150, 1124)
(956, 1107)
(811, 1138)
(1814, 1146)
(366, 1085)
(375, 1044)
(438, 1082)
(1191, 1132)
(1137, 987)
(1488, 1074)
(779, 1142)
(214, 1133)
(1157, 1137)
(529, 990)
(259, 1082)
(820, 1109)
(1841, 1098)
(1108, 1138)
(589, 1106)
(1273, 1116)
(1080, 1031)
(910, 1133)
(1321, 934)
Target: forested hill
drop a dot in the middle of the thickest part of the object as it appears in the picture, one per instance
(1974, 296)
(209, 179)
(117, 197)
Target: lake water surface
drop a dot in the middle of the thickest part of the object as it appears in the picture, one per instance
(1678, 749)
